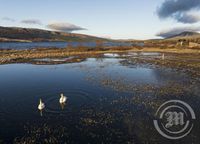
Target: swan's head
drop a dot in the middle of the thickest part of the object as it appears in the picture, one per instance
(61, 95)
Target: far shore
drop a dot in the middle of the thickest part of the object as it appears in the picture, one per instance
(17, 56)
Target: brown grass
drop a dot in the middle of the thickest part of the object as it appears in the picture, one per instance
(7, 56)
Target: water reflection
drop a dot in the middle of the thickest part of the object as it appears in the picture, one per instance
(62, 105)
(41, 114)
(95, 113)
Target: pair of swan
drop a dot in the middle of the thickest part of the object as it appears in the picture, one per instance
(62, 100)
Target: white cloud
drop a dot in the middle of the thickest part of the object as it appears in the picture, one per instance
(64, 27)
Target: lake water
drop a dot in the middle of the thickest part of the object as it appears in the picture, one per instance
(25, 45)
(100, 107)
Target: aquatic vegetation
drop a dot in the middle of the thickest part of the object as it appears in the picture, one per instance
(111, 100)
(42, 134)
(189, 63)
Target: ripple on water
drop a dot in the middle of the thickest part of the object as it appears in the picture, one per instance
(28, 105)
(76, 99)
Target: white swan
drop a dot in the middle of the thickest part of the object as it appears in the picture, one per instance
(41, 105)
(63, 99)
(163, 56)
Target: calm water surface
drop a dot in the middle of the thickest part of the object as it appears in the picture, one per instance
(29, 45)
(94, 112)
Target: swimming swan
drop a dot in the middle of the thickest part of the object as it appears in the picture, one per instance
(41, 105)
(163, 56)
(63, 99)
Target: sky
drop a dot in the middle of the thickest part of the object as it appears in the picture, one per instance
(117, 19)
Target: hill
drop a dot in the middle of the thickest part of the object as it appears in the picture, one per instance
(29, 34)
(185, 35)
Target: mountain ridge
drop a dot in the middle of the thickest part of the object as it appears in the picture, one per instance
(34, 34)
(185, 34)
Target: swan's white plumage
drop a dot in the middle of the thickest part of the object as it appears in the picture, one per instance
(41, 105)
(63, 99)
(163, 56)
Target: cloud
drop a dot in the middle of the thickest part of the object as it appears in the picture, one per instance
(188, 18)
(8, 19)
(64, 27)
(32, 22)
(178, 10)
(174, 31)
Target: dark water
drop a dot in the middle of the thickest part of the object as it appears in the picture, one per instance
(94, 113)
(26, 45)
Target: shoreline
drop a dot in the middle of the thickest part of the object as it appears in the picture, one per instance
(17, 56)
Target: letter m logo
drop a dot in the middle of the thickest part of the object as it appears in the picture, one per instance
(174, 118)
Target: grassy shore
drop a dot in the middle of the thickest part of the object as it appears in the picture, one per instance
(17, 56)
